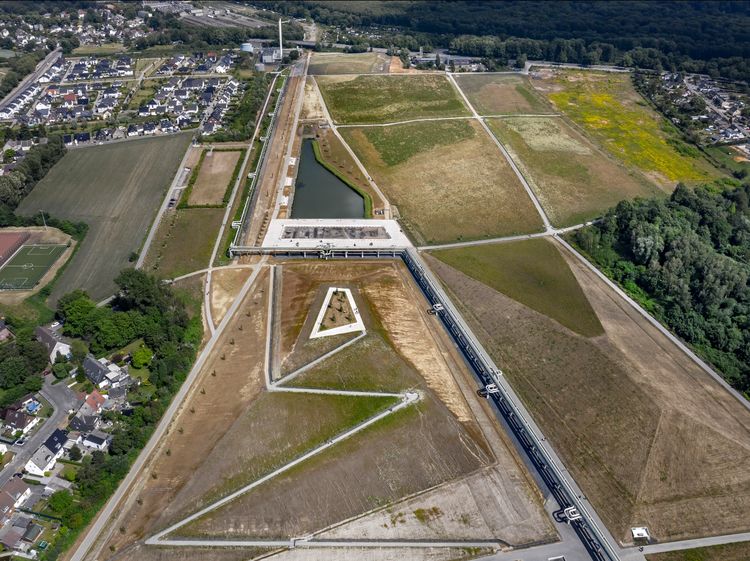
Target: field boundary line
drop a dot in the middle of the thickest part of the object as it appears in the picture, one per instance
(406, 399)
(534, 199)
(137, 468)
(656, 323)
(286, 378)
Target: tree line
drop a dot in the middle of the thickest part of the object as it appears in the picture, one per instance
(704, 37)
(687, 260)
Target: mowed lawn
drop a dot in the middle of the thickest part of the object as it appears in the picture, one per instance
(447, 179)
(184, 241)
(385, 99)
(501, 94)
(533, 273)
(116, 189)
(573, 179)
(349, 63)
(608, 108)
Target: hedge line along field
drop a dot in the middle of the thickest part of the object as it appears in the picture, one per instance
(501, 94)
(614, 114)
(385, 99)
(116, 189)
(651, 439)
(349, 63)
(447, 179)
(573, 179)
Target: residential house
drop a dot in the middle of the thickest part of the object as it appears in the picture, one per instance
(16, 420)
(12, 496)
(84, 423)
(45, 458)
(5, 332)
(97, 440)
(53, 342)
(104, 373)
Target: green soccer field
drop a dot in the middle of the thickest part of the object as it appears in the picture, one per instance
(28, 266)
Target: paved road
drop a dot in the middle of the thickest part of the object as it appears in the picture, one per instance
(40, 69)
(698, 542)
(96, 528)
(62, 399)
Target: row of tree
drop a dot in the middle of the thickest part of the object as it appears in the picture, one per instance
(687, 260)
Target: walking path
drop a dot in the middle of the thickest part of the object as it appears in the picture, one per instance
(406, 399)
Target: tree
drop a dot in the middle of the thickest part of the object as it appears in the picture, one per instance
(75, 454)
(142, 356)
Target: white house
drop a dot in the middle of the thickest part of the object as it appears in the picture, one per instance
(46, 457)
(52, 342)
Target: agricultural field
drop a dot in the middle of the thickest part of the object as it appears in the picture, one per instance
(502, 94)
(573, 179)
(730, 552)
(184, 241)
(607, 107)
(346, 63)
(385, 99)
(216, 171)
(447, 179)
(650, 438)
(462, 448)
(116, 189)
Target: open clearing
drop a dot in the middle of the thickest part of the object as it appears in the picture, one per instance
(533, 273)
(213, 178)
(184, 241)
(385, 99)
(730, 552)
(608, 108)
(252, 430)
(312, 105)
(116, 189)
(650, 438)
(377, 467)
(501, 94)
(345, 63)
(447, 178)
(574, 181)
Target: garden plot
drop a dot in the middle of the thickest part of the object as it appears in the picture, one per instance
(447, 179)
(573, 179)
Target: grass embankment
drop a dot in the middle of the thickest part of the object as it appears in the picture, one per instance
(533, 273)
(361, 192)
(729, 552)
(447, 179)
(501, 94)
(608, 108)
(574, 181)
(383, 99)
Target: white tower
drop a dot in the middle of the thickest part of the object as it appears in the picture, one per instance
(281, 48)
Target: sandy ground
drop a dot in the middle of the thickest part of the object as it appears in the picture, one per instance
(225, 285)
(397, 67)
(379, 554)
(202, 420)
(39, 235)
(651, 440)
(312, 106)
(213, 177)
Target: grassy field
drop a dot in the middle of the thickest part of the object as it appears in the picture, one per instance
(730, 552)
(649, 437)
(28, 265)
(384, 99)
(447, 179)
(572, 178)
(345, 63)
(501, 94)
(533, 273)
(729, 158)
(213, 178)
(184, 241)
(116, 189)
(105, 49)
(609, 109)
(143, 94)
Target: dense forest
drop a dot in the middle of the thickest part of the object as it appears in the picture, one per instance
(711, 37)
(687, 260)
